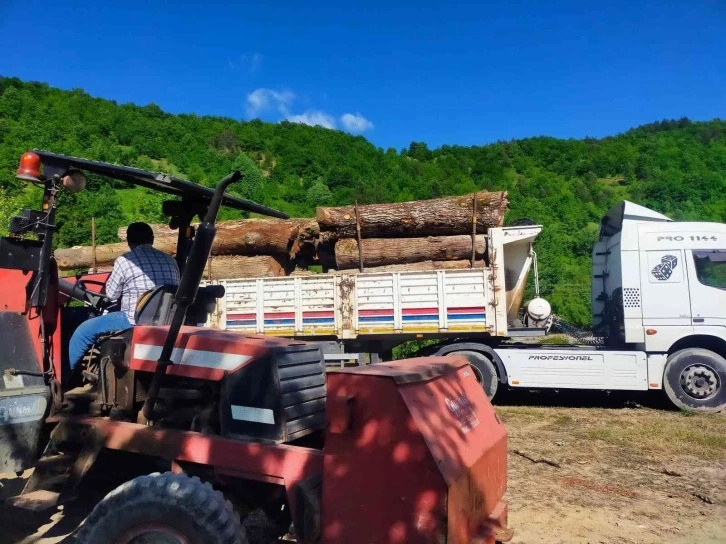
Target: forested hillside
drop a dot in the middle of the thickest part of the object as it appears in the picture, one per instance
(676, 167)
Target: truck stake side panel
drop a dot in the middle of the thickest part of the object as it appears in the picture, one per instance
(347, 306)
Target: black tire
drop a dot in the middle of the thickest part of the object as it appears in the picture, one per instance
(486, 372)
(266, 525)
(169, 503)
(695, 380)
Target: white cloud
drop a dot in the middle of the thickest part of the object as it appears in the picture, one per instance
(253, 61)
(313, 118)
(249, 61)
(263, 100)
(355, 123)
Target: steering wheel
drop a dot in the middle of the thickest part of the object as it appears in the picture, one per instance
(98, 302)
(80, 282)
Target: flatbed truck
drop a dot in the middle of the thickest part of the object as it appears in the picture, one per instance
(658, 294)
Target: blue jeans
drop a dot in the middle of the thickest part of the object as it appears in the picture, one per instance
(90, 331)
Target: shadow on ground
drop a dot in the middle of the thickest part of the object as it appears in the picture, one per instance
(568, 398)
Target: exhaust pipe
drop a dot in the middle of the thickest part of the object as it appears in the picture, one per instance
(188, 287)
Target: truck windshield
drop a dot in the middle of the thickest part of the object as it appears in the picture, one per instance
(711, 267)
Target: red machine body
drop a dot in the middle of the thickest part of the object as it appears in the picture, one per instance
(205, 354)
(413, 453)
(417, 451)
(14, 286)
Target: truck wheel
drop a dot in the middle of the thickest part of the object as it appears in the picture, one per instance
(695, 380)
(484, 370)
(165, 509)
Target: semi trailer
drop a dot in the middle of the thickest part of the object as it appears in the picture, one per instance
(658, 311)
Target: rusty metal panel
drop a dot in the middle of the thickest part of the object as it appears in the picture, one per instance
(469, 446)
(456, 419)
(346, 302)
(423, 450)
(288, 465)
(380, 483)
(418, 369)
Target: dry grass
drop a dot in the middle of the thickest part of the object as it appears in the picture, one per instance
(651, 431)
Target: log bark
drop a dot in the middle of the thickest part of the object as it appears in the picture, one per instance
(245, 237)
(227, 267)
(391, 251)
(441, 216)
(251, 236)
(82, 256)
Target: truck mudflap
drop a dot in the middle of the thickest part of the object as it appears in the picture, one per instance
(423, 449)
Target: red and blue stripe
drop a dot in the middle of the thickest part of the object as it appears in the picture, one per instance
(276, 319)
(241, 320)
(320, 317)
(466, 314)
(420, 314)
(375, 316)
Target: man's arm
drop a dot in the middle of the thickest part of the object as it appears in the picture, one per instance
(115, 282)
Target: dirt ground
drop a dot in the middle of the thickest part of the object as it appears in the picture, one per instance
(621, 474)
(625, 474)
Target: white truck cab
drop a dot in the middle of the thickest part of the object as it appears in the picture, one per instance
(658, 281)
(659, 300)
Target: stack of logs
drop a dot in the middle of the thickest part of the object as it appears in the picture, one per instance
(444, 233)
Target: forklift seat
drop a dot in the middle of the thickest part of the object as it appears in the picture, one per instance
(156, 307)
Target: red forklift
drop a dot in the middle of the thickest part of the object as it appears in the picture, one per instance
(409, 451)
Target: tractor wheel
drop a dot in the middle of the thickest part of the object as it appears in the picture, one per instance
(484, 370)
(163, 509)
(695, 380)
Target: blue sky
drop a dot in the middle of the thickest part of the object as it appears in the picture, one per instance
(442, 73)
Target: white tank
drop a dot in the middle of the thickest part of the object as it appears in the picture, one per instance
(538, 310)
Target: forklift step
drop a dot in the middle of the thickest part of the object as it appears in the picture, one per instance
(50, 473)
(56, 463)
(36, 501)
(86, 392)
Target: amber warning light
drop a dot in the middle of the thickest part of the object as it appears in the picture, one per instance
(29, 168)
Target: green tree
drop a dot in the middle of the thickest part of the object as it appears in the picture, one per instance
(319, 194)
(252, 184)
(677, 167)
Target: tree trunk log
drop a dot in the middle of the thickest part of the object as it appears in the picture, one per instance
(82, 256)
(391, 251)
(251, 236)
(246, 237)
(441, 216)
(225, 267)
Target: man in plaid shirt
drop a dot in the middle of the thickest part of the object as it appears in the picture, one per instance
(134, 273)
